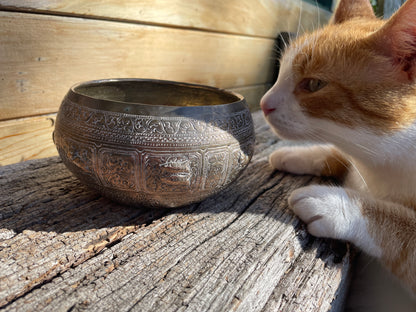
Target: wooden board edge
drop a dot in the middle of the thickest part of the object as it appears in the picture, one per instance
(249, 18)
(26, 138)
(87, 50)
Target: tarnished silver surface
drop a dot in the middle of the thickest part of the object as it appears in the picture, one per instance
(154, 143)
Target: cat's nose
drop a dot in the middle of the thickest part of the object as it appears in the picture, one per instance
(267, 109)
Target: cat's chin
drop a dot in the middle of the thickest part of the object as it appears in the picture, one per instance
(286, 134)
(288, 125)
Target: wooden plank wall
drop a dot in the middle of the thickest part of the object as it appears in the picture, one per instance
(47, 46)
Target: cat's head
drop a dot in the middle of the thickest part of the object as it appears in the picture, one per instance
(358, 72)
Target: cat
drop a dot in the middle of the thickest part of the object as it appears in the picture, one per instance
(351, 88)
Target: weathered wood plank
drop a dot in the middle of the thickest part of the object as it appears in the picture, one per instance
(31, 138)
(255, 18)
(26, 138)
(64, 246)
(42, 56)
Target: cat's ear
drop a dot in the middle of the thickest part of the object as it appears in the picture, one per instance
(349, 9)
(397, 39)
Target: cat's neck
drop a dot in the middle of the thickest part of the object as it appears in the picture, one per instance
(388, 182)
(383, 165)
(373, 150)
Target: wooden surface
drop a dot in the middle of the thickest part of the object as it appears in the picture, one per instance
(65, 248)
(42, 56)
(47, 46)
(31, 137)
(26, 138)
(265, 18)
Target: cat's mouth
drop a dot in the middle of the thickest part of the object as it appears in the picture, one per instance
(284, 128)
(267, 111)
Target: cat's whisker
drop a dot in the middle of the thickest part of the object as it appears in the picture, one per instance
(300, 18)
(359, 174)
(319, 17)
(341, 140)
(273, 58)
(365, 149)
(316, 138)
(337, 86)
(286, 44)
(301, 31)
(349, 161)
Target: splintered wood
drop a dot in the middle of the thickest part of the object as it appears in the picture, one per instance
(64, 247)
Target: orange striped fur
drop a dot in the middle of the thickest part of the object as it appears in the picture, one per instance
(351, 87)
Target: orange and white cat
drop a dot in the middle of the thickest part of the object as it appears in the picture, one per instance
(351, 87)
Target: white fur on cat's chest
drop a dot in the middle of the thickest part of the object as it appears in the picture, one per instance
(396, 184)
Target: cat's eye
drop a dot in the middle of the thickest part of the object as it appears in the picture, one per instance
(311, 84)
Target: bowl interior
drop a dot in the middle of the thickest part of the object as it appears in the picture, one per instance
(155, 93)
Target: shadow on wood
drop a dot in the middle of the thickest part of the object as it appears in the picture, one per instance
(64, 245)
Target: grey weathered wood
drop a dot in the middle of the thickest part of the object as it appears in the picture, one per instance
(64, 247)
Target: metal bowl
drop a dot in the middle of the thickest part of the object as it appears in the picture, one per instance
(152, 142)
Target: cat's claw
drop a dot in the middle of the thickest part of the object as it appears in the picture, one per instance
(327, 211)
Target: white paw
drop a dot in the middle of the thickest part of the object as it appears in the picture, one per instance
(298, 159)
(327, 211)
(334, 213)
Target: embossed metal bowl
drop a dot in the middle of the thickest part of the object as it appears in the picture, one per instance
(154, 143)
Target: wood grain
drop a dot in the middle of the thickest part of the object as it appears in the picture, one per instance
(265, 18)
(65, 246)
(31, 138)
(26, 138)
(42, 56)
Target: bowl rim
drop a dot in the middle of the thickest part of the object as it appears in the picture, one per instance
(104, 104)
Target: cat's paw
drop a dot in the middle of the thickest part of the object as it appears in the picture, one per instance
(291, 159)
(334, 212)
(327, 211)
(301, 159)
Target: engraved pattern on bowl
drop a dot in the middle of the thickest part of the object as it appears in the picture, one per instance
(176, 145)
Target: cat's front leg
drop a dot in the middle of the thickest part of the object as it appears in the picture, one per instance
(319, 160)
(383, 229)
(332, 212)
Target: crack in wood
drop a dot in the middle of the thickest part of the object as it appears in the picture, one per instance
(242, 250)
